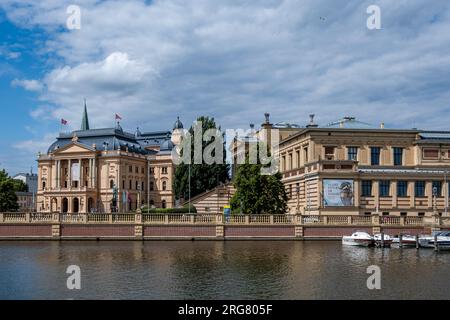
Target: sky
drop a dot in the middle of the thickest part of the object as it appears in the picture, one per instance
(151, 61)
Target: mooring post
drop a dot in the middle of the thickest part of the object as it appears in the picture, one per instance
(400, 240)
(417, 241)
(436, 245)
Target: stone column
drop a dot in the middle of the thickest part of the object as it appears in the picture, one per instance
(94, 173)
(412, 195)
(356, 193)
(80, 170)
(394, 193)
(70, 174)
(57, 174)
(376, 194)
(429, 193)
(69, 205)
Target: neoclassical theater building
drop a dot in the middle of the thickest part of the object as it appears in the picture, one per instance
(106, 170)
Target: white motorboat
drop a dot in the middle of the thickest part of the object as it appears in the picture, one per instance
(442, 238)
(387, 239)
(407, 240)
(358, 238)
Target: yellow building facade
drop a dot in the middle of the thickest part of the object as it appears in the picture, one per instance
(106, 170)
(346, 168)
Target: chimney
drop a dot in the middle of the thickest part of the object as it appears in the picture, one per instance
(267, 115)
(311, 123)
(382, 125)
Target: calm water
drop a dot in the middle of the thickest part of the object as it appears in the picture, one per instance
(219, 270)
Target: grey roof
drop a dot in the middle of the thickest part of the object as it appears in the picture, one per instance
(405, 170)
(435, 135)
(116, 139)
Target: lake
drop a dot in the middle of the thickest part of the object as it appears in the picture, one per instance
(219, 270)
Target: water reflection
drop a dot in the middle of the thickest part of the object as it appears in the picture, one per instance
(218, 270)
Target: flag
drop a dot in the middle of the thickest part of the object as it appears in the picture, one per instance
(118, 117)
(64, 122)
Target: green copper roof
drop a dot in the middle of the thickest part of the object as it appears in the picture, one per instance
(85, 121)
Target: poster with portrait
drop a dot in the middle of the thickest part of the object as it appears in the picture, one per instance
(337, 193)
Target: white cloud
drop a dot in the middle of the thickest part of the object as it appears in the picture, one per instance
(30, 85)
(35, 146)
(235, 60)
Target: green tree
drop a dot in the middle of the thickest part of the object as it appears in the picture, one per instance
(8, 198)
(19, 186)
(257, 193)
(204, 177)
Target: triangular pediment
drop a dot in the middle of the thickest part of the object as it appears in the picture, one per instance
(74, 147)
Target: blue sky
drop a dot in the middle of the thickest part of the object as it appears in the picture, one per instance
(151, 61)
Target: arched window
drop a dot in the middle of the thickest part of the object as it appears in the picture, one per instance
(152, 202)
(137, 185)
(164, 185)
(131, 185)
(43, 185)
(123, 184)
(111, 184)
(164, 204)
(152, 186)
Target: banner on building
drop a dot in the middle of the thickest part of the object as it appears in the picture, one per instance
(337, 193)
(75, 172)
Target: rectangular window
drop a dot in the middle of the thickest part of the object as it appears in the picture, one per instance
(329, 153)
(419, 188)
(385, 188)
(402, 189)
(431, 153)
(437, 188)
(352, 153)
(297, 155)
(398, 156)
(375, 156)
(305, 152)
(366, 187)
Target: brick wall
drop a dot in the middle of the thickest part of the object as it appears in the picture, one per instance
(25, 230)
(179, 231)
(97, 231)
(260, 231)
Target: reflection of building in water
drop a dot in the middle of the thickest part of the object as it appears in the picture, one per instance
(392, 171)
(106, 170)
